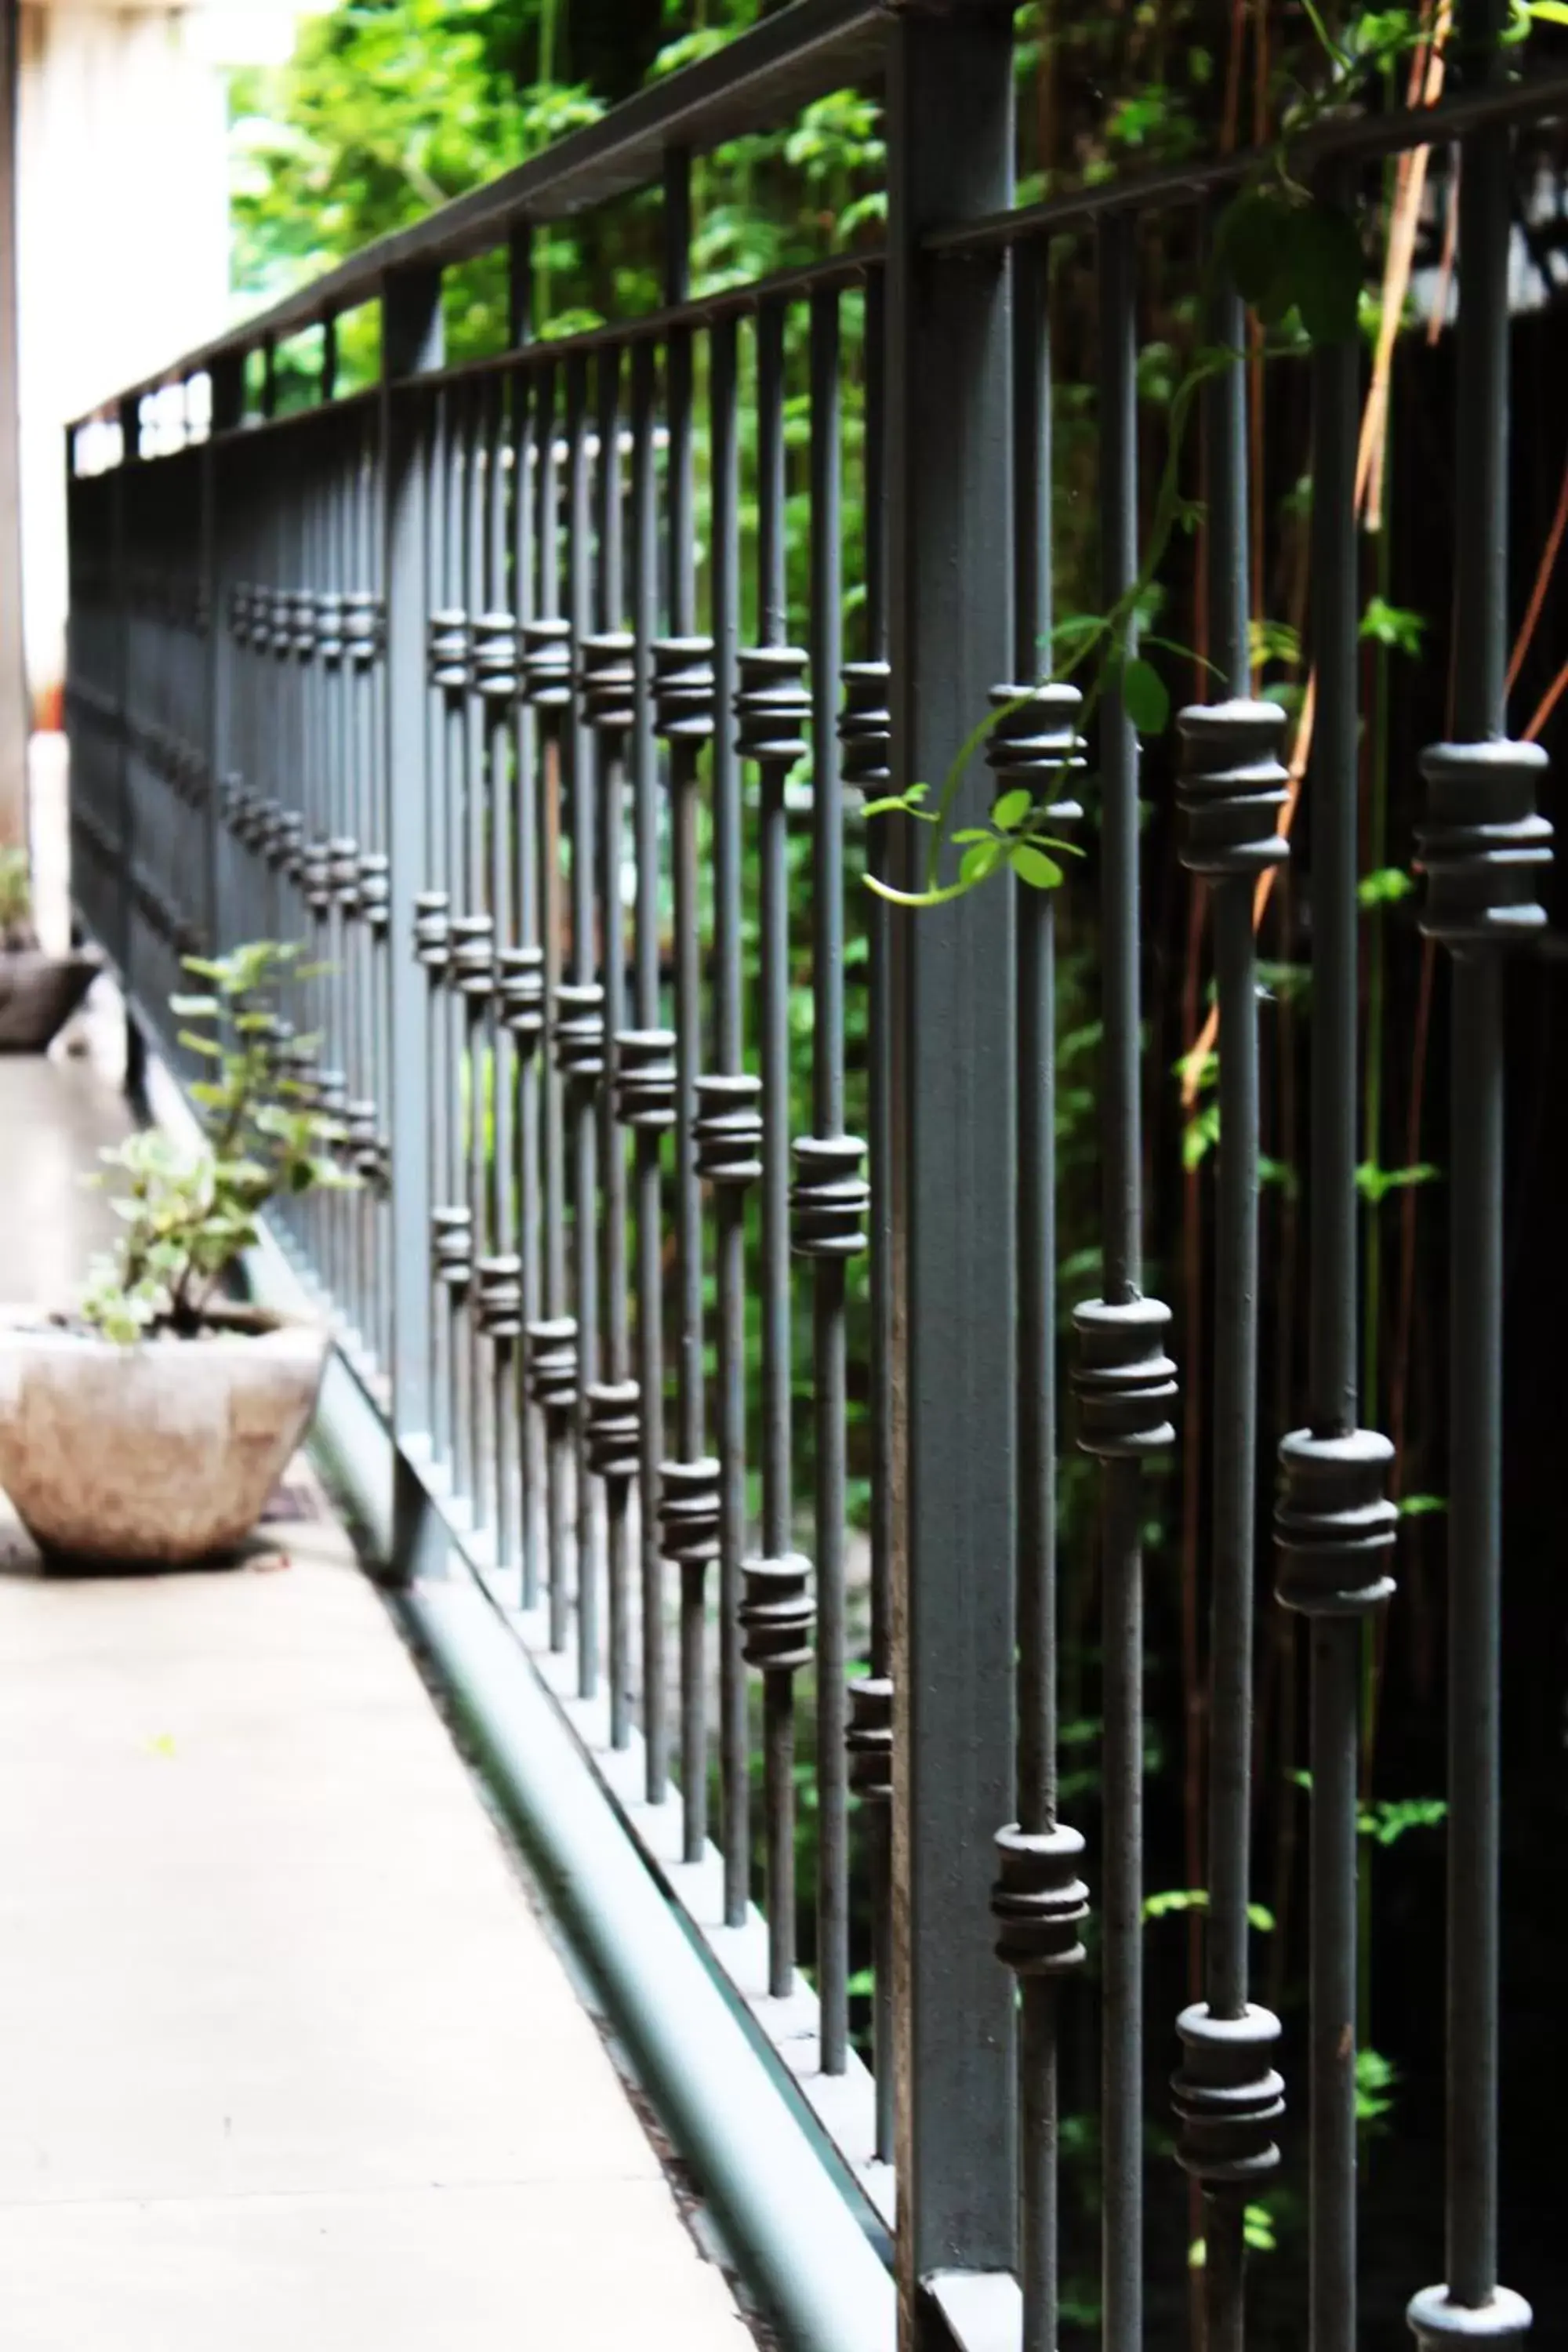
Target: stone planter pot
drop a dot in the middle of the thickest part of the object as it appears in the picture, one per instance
(38, 993)
(164, 1451)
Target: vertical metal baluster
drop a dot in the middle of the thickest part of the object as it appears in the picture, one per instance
(1230, 792)
(772, 708)
(1125, 1381)
(580, 1031)
(451, 1226)
(683, 715)
(1334, 1529)
(1039, 1900)
(728, 1131)
(522, 964)
(553, 1338)
(473, 959)
(865, 732)
(829, 1197)
(1484, 849)
(644, 1078)
(499, 1271)
(362, 638)
(609, 680)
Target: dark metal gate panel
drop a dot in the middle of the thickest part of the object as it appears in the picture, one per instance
(433, 679)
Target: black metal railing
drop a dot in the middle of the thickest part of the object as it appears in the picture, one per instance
(482, 683)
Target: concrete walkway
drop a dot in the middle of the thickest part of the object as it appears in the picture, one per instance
(287, 2060)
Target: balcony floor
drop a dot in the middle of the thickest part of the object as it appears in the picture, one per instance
(289, 2056)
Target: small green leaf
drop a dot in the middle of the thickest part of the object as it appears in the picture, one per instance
(1144, 697)
(981, 860)
(1547, 12)
(1385, 886)
(1327, 269)
(1421, 1507)
(1032, 866)
(1012, 809)
(1255, 240)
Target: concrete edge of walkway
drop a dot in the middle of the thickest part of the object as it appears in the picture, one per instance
(794, 2233)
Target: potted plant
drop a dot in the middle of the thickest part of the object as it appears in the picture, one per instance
(151, 1421)
(38, 991)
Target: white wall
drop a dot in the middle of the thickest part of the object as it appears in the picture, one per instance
(123, 231)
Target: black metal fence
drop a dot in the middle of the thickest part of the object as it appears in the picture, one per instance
(482, 682)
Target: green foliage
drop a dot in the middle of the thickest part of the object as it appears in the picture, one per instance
(188, 1217)
(1258, 2235)
(1178, 1899)
(1375, 1185)
(15, 898)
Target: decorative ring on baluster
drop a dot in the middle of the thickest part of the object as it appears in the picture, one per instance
(303, 646)
(772, 708)
(613, 1429)
(471, 958)
(495, 657)
(332, 1101)
(547, 663)
(452, 1247)
(447, 650)
(365, 1153)
(329, 626)
(552, 1364)
(683, 689)
(1231, 788)
(776, 1614)
(689, 1510)
(1334, 1526)
(361, 626)
(289, 844)
(343, 873)
(580, 1031)
(296, 1062)
(1126, 1383)
(869, 1739)
(316, 872)
(1034, 746)
(1227, 2096)
(1039, 1900)
(260, 607)
(520, 988)
(1482, 845)
(866, 727)
(727, 1128)
(645, 1079)
(239, 609)
(607, 682)
(281, 637)
(431, 930)
(1438, 2323)
(500, 1302)
(375, 888)
(829, 1197)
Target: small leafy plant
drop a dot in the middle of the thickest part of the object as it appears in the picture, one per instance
(16, 930)
(188, 1217)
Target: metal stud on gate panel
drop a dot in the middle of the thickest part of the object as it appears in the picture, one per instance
(547, 663)
(497, 668)
(580, 1032)
(520, 985)
(553, 1362)
(607, 681)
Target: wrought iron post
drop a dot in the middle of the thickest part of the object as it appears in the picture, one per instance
(949, 117)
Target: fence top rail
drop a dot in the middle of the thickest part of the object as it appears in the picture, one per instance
(756, 82)
(1350, 138)
(760, 79)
